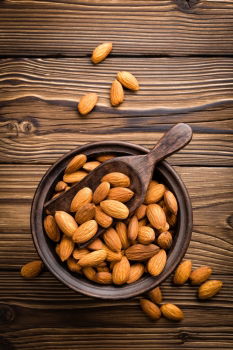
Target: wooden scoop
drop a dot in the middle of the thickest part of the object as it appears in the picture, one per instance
(138, 168)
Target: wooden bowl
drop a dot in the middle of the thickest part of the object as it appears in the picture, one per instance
(45, 247)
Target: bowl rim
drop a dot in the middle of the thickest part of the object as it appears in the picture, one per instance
(85, 286)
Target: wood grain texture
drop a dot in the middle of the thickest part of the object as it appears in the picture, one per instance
(164, 27)
(40, 122)
(212, 214)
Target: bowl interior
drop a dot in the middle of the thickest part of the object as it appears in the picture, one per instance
(46, 248)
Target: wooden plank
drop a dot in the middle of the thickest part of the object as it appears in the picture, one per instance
(212, 214)
(39, 106)
(164, 27)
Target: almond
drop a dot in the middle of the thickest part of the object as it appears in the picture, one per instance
(66, 248)
(156, 216)
(73, 265)
(128, 80)
(146, 235)
(154, 193)
(111, 255)
(101, 52)
(87, 103)
(182, 272)
(141, 211)
(96, 244)
(209, 288)
(156, 295)
(142, 222)
(57, 250)
(140, 252)
(133, 228)
(66, 223)
(85, 231)
(117, 179)
(89, 166)
(114, 209)
(85, 213)
(32, 269)
(51, 228)
(89, 272)
(150, 309)
(200, 275)
(156, 264)
(116, 93)
(121, 271)
(103, 277)
(171, 219)
(172, 312)
(102, 219)
(102, 268)
(112, 240)
(121, 194)
(136, 272)
(93, 258)
(171, 202)
(164, 240)
(79, 253)
(60, 186)
(82, 197)
(74, 177)
(101, 192)
(121, 229)
(105, 157)
(76, 163)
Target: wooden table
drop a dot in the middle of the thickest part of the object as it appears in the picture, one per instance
(181, 51)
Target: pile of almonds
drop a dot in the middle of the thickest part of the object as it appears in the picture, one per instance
(129, 247)
(124, 79)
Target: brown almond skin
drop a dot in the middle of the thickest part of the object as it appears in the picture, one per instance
(101, 52)
(128, 80)
(146, 235)
(89, 166)
(82, 197)
(73, 265)
(154, 193)
(111, 255)
(150, 309)
(87, 103)
(102, 218)
(112, 240)
(76, 163)
(32, 269)
(200, 275)
(103, 277)
(172, 312)
(156, 216)
(89, 272)
(66, 248)
(141, 211)
(136, 272)
(156, 295)
(105, 157)
(140, 252)
(164, 240)
(60, 186)
(182, 272)
(51, 228)
(121, 230)
(85, 213)
(116, 93)
(75, 177)
(117, 179)
(156, 264)
(101, 192)
(171, 202)
(79, 253)
(114, 209)
(66, 223)
(121, 271)
(93, 258)
(85, 231)
(133, 228)
(209, 288)
(121, 194)
(96, 244)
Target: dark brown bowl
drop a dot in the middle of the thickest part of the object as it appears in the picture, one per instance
(45, 247)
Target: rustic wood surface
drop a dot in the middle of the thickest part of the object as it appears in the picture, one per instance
(44, 69)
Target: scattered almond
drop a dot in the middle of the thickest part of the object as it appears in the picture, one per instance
(116, 93)
(200, 275)
(150, 309)
(182, 272)
(101, 52)
(87, 103)
(209, 288)
(156, 295)
(32, 269)
(172, 312)
(128, 80)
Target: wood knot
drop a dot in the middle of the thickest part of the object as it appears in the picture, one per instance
(7, 314)
(5, 344)
(186, 5)
(184, 336)
(18, 128)
(230, 220)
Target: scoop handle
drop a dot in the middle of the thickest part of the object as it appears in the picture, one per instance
(175, 139)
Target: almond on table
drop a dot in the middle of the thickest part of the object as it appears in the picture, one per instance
(128, 80)
(87, 103)
(182, 272)
(116, 93)
(101, 52)
(200, 275)
(32, 269)
(172, 312)
(150, 309)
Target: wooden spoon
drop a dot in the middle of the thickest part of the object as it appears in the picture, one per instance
(138, 168)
